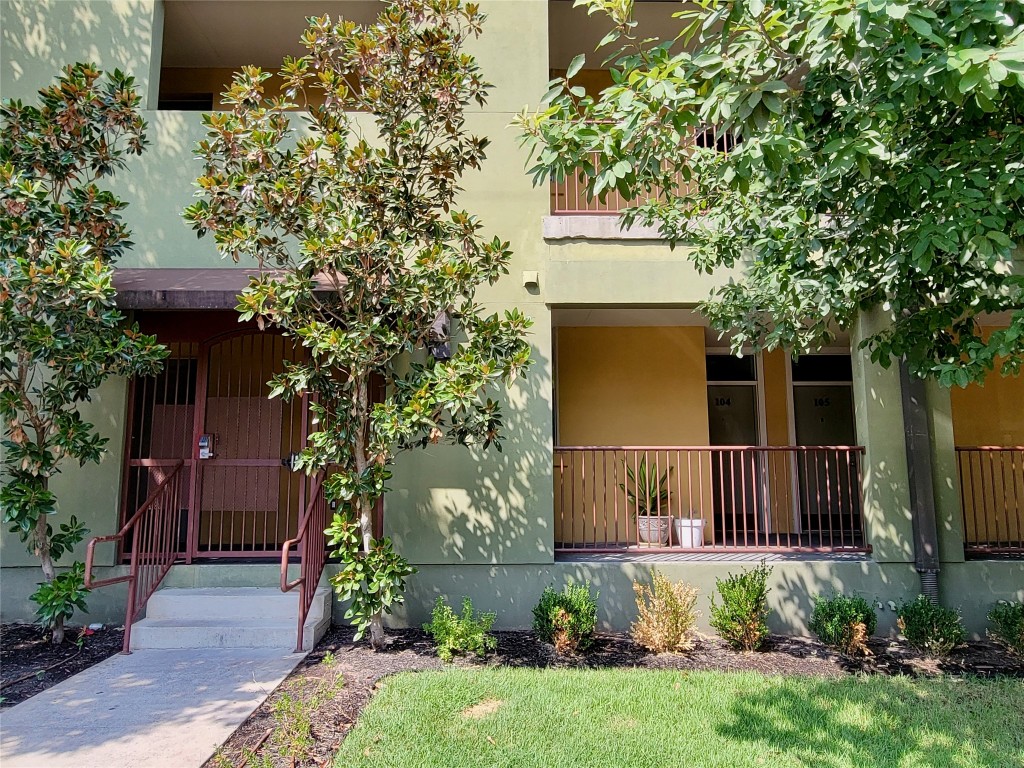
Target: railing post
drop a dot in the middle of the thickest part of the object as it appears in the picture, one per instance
(133, 577)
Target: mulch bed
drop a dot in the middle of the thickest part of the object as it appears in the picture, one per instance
(29, 663)
(354, 672)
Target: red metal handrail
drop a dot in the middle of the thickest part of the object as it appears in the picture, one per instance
(155, 530)
(719, 498)
(312, 554)
(992, 498)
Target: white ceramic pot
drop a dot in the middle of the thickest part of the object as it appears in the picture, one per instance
(689, 533)
(653, 529)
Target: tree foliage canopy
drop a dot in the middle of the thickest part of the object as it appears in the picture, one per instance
(350, 212)
(874, 159)
(61, 335)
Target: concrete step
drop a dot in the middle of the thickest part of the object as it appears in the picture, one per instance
(225, 602)
(230, 617)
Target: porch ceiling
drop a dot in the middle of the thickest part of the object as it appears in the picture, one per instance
(229, 33)
(638, 317)
(182, 288)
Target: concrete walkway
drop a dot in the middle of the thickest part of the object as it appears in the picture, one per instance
(152, 709)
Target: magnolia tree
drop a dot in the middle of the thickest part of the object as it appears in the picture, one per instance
(859, 154)
(60, 333)
(351, 210)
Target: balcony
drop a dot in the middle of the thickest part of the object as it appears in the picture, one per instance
(708, 499)
(576, 214)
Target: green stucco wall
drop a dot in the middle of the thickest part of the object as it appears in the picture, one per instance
(40, 37)
(106, 605)
(91, 492)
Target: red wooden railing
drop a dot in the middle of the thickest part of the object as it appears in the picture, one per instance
(570, 196)
(155, 532)
(312, 548)
(751, 498)
(992, 498)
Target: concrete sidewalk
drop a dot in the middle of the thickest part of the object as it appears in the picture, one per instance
(152, 709)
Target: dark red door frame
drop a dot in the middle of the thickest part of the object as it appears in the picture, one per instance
(171, 327)
(186, 328)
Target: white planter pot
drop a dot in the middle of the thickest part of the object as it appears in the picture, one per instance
(688, 533)
(653, 529)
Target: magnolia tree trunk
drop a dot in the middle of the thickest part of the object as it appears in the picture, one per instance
(378, 639)
(41, 549)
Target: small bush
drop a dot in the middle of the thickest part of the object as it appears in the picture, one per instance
(566, 619)
(59, 598)
(844, 623)
(667, 615)
(1008, 626)
(455, 634)
(930, 628)
(740, 618)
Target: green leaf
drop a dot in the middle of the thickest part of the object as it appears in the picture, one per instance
(971, 79)
(575, 66)
(919, 25)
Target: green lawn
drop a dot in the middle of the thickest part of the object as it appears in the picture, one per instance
(618, 718)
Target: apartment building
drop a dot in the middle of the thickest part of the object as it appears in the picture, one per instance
(800, 462)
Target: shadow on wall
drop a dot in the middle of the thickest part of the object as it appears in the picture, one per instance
(41, 37)
(794, 590)
(476, 505)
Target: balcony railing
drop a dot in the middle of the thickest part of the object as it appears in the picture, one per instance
(749, 498)
(570, 196)
(992, 498)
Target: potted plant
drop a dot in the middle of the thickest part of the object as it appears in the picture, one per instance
(647, 493)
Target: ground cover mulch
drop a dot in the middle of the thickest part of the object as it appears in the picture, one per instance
(346, 682)
(30, 663)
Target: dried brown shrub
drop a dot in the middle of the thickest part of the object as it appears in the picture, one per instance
(856, 641)
(667, 615)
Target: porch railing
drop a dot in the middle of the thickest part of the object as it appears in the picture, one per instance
(152, 534)
(311, 545)
(714, 498)
(992, 498)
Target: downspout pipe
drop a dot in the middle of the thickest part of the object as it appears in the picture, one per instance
(922, 491)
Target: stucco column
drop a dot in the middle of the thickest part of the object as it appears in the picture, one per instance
(946, 479)
(879, 419)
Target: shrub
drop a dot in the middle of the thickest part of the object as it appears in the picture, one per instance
(1008, 626)
(930, 628)
(844, 623)
(740, 618)
(667, 615)
(566, 619)
(59, 598)
(455, 635)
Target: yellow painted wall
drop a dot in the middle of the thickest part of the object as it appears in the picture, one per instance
(992, 414)
(648, 387)
(993, 495)
(781, 468)
(632, 386)
(628, 386)
(776, 397)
